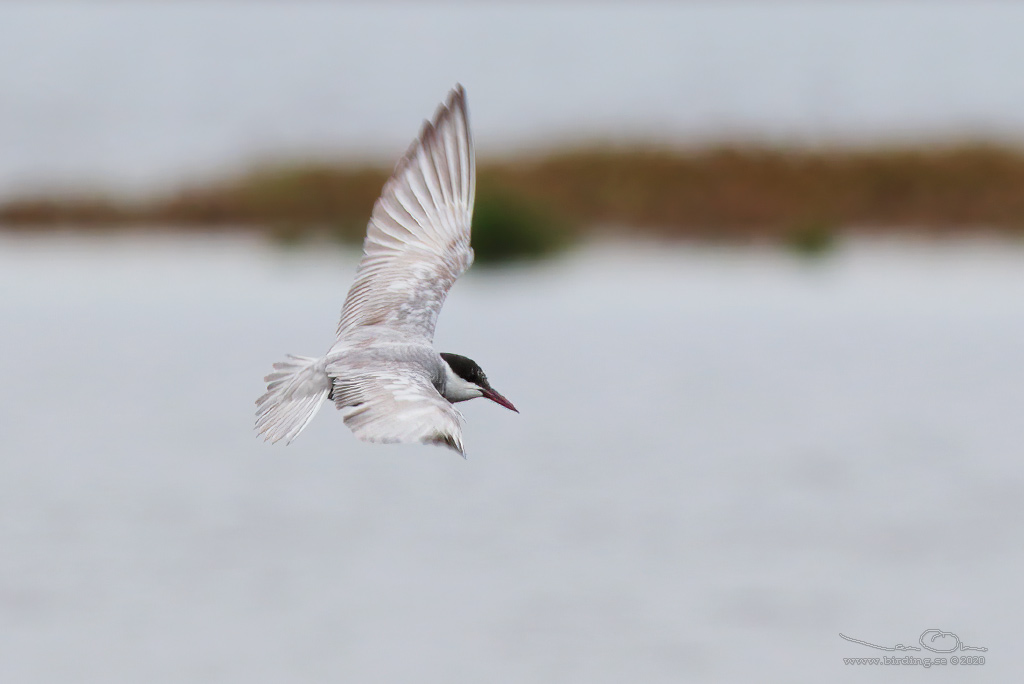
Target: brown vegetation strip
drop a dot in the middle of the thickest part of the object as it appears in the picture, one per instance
(732, 193)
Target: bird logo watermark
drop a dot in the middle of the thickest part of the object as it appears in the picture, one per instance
(931, 640)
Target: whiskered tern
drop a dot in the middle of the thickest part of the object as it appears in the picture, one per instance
(382, 370)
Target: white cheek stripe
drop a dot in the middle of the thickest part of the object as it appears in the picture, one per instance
(457, 389)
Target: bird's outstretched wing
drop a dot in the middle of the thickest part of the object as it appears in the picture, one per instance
(397, 405)
(417, 242)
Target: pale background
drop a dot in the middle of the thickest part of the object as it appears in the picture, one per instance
(725, 456)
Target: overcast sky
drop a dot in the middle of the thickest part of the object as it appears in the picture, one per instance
(139, 96)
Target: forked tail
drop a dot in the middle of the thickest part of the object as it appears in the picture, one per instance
(295, 391)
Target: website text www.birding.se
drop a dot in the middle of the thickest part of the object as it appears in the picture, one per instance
(913, 660)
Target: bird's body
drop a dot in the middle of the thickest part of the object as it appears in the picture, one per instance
(382, 369)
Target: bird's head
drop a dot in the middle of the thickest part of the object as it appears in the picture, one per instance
(466, 380)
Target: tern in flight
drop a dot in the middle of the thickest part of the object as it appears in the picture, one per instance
(382, 370)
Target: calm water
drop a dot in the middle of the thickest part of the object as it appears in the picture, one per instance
(724, 459)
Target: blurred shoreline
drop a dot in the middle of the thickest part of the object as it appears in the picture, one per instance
(732, 194)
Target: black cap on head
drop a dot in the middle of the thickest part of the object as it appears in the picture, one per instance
(466, 368)
(470, 371)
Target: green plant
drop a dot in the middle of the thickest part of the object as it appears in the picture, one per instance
(508, 227)
(811, 237)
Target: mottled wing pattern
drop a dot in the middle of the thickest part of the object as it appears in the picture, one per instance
(417, 242)
(397, 404)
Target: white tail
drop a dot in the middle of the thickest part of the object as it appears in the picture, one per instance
(295, 391)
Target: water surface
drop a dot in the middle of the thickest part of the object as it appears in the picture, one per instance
(724, 459)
